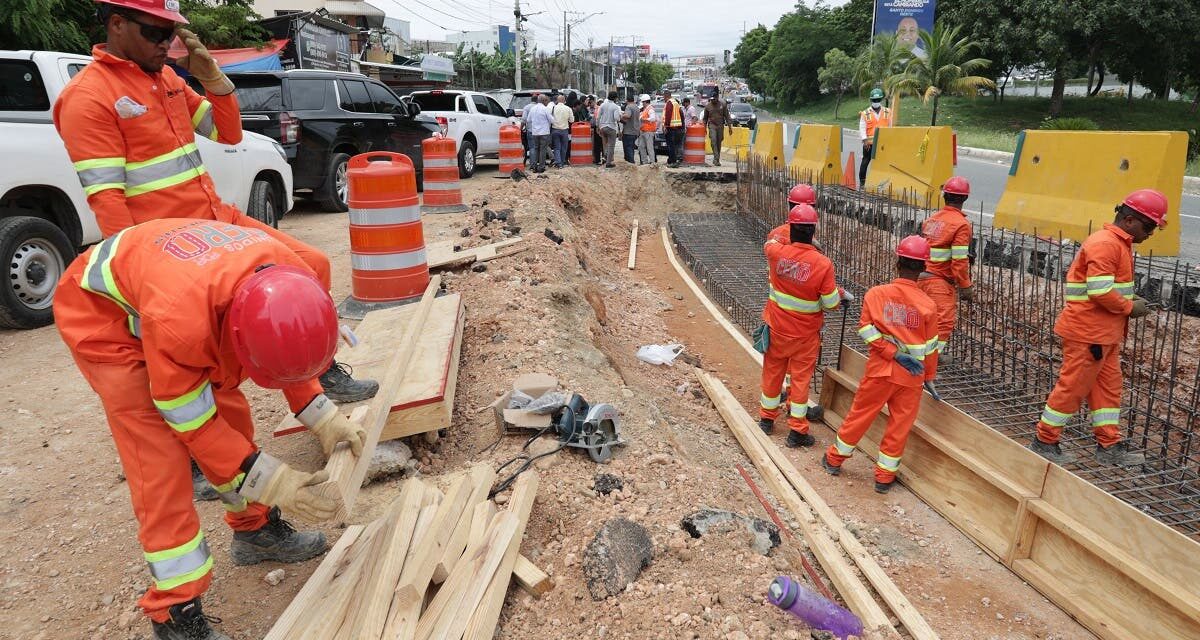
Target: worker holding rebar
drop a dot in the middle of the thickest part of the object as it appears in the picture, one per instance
(802, 289)
(1099, 303)
(899, 324)
(947, 275)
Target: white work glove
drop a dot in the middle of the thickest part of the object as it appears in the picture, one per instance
(322, 418)
(273, 483)
(846, 295)
(200, 64)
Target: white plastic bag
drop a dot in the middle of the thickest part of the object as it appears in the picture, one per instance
(659, 353)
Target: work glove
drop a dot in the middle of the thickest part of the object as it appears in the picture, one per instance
(200, 64)
(1140, 308)
(910, 364)
(933, 392)
(967, 293)
(272, 482)
(334, 428)
(845, 295)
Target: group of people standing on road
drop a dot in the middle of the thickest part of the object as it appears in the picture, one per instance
(907, 325)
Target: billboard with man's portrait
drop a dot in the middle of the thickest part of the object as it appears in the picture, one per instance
(904, 18)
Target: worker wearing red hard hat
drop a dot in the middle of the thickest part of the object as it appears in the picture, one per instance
(1100, 301)
(947, 275)
(802, 289)
(899, 324)
(802, 193)
(165, 319)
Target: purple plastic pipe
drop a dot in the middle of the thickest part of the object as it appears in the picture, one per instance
(812, 608)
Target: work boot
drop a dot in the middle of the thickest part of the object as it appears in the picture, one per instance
(829, 468)
(188, 622)
(933, 392)
(276, 540)
(202, 489)
(1119, 454)
(814, 413)
(797, 439)
(766, 425)
(883, 487)
(340, 387)
(1052, 452)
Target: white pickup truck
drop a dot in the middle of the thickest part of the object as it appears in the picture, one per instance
(472, 118)
(44, 216)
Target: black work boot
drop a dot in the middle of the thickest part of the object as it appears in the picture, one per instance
(202, 489)
(276, 540)
(188, 622)
(1119, 454)
(933, 392)
(814, 413)
(1052, 452)
(797, 439)
(883, 487)
(766, 425)
(829, 468)
(340, 387)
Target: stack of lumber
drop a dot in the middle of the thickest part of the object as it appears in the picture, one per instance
(436, 565)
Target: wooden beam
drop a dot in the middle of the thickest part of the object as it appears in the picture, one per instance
(856, 594)
(633, 245)
(531, 578)
(425, 553)
(441, 255)
(327, 614)
(482, 625)
(347, 471)
(482, 477)
(282, 629)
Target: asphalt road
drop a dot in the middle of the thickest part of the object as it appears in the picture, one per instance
(989, 177)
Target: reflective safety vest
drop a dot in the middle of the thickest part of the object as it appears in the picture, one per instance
(1099, 289)
(897, 318)
(949, 236)
(802, 288)
(874, 120)
(132, 138)
(675, 118)
(649, 120)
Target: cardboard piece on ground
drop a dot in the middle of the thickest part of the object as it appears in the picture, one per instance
(532, 385)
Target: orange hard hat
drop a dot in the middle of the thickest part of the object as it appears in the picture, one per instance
(1150, 203)
(914, 247)
(957, 185)
(284, 326)
(802, 214)
(165, 9)
(802, 194)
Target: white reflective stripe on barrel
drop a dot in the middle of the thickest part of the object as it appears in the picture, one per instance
(441, 162)
(580, 138)
(387, 261)
(441, 186)
(512, 146)
(387, 215)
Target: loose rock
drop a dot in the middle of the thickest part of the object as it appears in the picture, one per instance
(616, 556)
(273, 578)
(606, 483)
(391, 458)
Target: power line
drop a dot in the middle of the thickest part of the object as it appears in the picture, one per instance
(449, 15)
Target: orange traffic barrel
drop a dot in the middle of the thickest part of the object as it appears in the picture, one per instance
(387, 241)
(581, 144)
(443, 194)
(512, 153)
(693, 145)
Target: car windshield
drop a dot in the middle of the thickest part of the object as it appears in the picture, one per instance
(259, 94)
(741, 107)
(435, 101)
(21, 87)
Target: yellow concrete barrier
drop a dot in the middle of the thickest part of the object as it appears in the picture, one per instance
(768, 142)
(1068, 182)
(736, 142)
(818, 152)
(914, 159)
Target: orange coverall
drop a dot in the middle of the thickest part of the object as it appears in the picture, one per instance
(132, 138)
(1092, 325)
(802, 286)
(896, 317)
(172, 393)
(947, 270)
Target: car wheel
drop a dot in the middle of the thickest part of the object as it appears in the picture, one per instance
(466, 159)
(335, 191)
(264, 205)
(36, 253)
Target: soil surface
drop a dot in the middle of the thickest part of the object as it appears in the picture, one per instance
(71, 566)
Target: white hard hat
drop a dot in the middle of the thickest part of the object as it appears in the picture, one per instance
(644, 97)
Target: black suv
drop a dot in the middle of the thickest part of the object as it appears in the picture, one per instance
(323, 117)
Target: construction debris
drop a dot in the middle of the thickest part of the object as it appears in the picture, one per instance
(616, 556)
(764, 536)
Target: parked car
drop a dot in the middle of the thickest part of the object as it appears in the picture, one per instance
(322, 118)
(743, 115)
(471, 118)
(44, 215)
(523, 97)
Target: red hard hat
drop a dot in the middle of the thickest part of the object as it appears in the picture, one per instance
(802, 194)
(957, 185)
(284, 326)
(802, 214)
(914, 247)
(165, 9)
(1150, 203)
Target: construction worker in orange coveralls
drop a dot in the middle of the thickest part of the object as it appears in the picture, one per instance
(799, 194)
(130, 124)
(899, 324)
(1100, 302)
(165, 319)
(948, 269)
(802, 288)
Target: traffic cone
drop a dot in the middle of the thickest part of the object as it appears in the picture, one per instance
(848, 179)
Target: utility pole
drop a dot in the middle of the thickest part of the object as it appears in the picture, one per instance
(567, 27)
(519, 44)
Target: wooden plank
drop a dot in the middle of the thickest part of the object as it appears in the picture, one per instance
(417, 418)
(856, 594)
(633, 245)
(482, 625)
(1097, 621)
(531, 578)
(480, 517)
(328, 613)
(425, 553)
(282, 629)
(482, 477)
(347, 471)
(441, 255)
(404, 614)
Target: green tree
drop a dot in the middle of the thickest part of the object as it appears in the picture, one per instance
(880, 62)
(752, 47)
(853, 20)
(798, 45)
(652, 75)
(48, 25)
(946, 67)
(837, 76)
(224, 24)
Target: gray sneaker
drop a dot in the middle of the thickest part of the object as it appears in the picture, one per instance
(202, 489)
(276, 541)
(188, 622)
(1119, 455)
(1051, 452)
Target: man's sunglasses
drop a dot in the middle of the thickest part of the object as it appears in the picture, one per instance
(153, 33)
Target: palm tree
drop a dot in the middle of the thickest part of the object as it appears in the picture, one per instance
(879, 62)
(946, 67)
